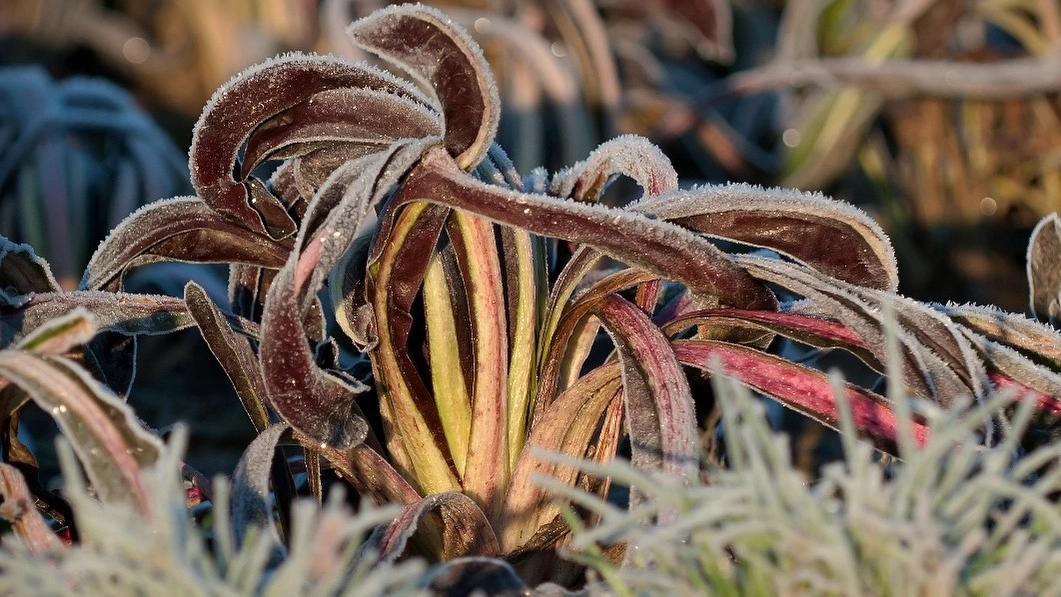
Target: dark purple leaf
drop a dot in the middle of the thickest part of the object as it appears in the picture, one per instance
(658, 247)
(462, 529)
(249, 99)
(234, 352)
(628, 155)
(337, 117)
(127, 314)
(182, 229)
(833, 237)
(427, 45)
(22, 273)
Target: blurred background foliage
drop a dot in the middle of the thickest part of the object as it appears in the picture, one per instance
(941, 118)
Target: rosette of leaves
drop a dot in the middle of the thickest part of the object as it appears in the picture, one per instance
(76, 157)
(478, 296)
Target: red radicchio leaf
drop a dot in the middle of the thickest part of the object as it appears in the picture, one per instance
(229, 119)
(429, 46)
(798, 387)
(181, 229)
(463, 530)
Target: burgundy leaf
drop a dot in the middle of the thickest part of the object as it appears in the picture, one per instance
(124, 313)
(427, 45)
(798, 387)
(659, 403)
(628, 155)
(241, 105)
(234, 352)
(463, 530)
(317, 403)
(942, 375)
(336, 117)
(181, 229)
(658, 247)
(833, 237)
(1038, 342)
(22, 273)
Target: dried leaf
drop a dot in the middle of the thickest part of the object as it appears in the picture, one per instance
(568, 426)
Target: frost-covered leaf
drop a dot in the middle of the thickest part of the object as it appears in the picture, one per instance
(315, 402)
(180, 229)
(658, 247)
(833, 237)
(938, 362)
(61, 334)
(127, 314)
(628, 155)
(1036, 341)
(251, 500)
(1044, 269)
(659, 404)
(104, 432)
(229, 119)
(450, 524)
(439, 53)
(233, 351)
(22, 273)
(806, 390)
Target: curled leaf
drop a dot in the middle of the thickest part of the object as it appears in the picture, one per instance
(832, 237)
(1044, 269)
(180, 229)
(427, 45)
(463, 530)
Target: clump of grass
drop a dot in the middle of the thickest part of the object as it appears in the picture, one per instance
(124, 552)
(951, 518)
